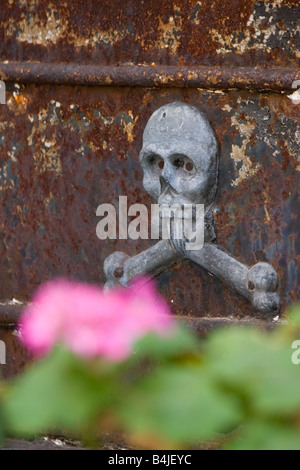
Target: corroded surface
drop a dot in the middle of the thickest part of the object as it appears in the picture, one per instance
(186, 32)
(180, 164)
(65, 150)
(209, 77)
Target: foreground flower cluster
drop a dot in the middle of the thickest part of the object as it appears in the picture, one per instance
(167, 390)
(90, 322)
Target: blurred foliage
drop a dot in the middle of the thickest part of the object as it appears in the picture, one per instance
(171, 393)
(2, 424)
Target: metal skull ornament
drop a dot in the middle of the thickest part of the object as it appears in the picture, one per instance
(179, 156)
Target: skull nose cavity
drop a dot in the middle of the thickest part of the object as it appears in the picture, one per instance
(163, 184)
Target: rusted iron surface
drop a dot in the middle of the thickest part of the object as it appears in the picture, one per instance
(184, 32)
(65, 147)
(42, 444)
(65, 150)
(10, 313)
(203, 326)
(146, 76)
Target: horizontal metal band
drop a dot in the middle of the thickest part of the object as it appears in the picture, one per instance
(150, 76)
(10, 313)
(10, 316)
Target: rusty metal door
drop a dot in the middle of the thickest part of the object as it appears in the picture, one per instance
(82, 79)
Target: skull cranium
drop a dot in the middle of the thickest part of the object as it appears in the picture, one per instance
(179, 156)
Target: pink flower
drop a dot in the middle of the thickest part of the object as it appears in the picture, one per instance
(93, 323)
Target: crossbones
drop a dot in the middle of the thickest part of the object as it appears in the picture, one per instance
(179, 159)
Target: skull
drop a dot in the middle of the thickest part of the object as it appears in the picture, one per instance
(179, 156)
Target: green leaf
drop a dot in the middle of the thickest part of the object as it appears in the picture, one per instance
(179, 341)
(2, 431)
(2, 420)
(261, 435)
(258, 366)
(179, 403)
(57, 392)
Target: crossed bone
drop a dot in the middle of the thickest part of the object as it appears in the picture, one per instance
(258, 284)
(188, 175)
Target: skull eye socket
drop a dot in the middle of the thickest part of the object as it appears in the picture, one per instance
(178, 162)
(189, 166)
(155, 162)
(183, 163)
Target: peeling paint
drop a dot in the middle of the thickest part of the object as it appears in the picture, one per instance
(107, 120)
(297, 138)
(295, 97)
(192, 76)
(262, 31)
(45, 152)
(190, 31)
(128, 124)
(7, 182)
(227, 108)
(33, 30)
(18, 103)
(66, 148)
(248, 169)
(30, 29)
(170, 32)
(266, 205)
(239, 153)
(99, 37)
(195, 13)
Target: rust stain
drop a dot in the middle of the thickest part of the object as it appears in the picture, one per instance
(196, 13)
(18, 103)
(295, 97)
(65, 148)
(192, 76)
(266, 204)
(239, 152)
(260, 32)
(45, 151)
(32, 30)
(48, 217)
(162, 79)
(170, 32)
(187, 33)
(247, 170)
(98, 37)
(38, 30)
(128, 122)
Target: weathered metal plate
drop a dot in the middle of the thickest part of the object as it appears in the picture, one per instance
(185, 32)
(65, 150)
(66, 147)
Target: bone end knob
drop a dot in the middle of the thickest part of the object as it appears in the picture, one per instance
(262, 286)
(113, 268)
